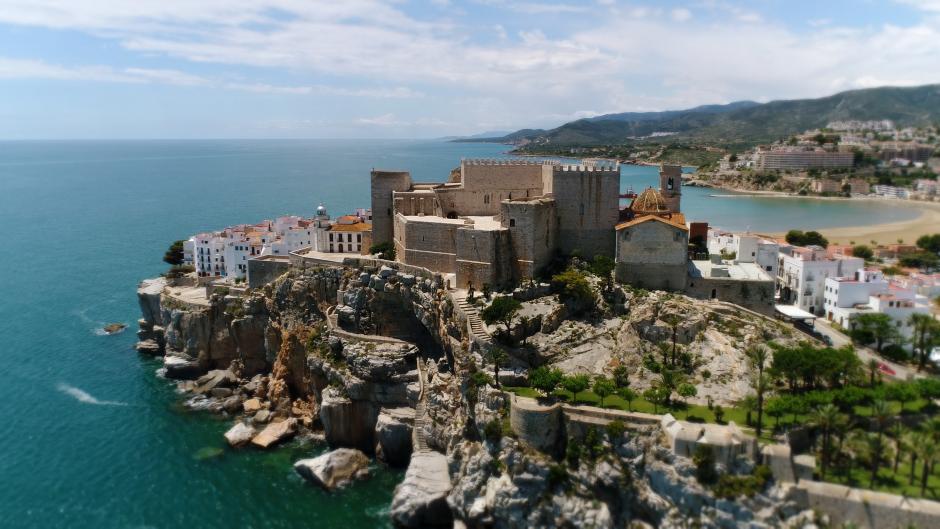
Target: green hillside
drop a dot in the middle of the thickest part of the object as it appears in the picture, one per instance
(737, 124)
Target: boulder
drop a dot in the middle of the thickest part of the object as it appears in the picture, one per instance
(251, 405)
(232, 404)
(181, 368)
(393, 435)
(262, 417)
(217, 378)
(386, 271)
(240, 434)
(275, 433)
(421, 499)
(220, 393)
(149, 347)
(334, 469)
(345, 315)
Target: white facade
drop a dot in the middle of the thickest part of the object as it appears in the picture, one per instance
(748, 248)
(189, 251)
(890, 191)
(802, 274)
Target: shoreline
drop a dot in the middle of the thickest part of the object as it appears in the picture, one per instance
(926, 223)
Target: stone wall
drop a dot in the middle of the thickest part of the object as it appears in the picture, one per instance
(483, 257)
(532, 234)
(536, 425)
(383, 184)
(652, 255)
(756, 295)
(426, 243)
(866, 509)
(587, 203)
(263, 270)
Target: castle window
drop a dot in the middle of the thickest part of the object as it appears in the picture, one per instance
(714, 293)
(582, 208)
(512, 223)
(669, 184)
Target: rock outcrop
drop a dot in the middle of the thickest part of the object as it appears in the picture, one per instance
(275, 432)
(421, 499)
(240, 434)
(334, 469)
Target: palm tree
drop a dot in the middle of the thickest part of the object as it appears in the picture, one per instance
(927, 451)
(748, 404)
(758, 356)
(856, 443)
(873, 364)
(880, 415)
(825, 418)
(912, 441)
(925, 331)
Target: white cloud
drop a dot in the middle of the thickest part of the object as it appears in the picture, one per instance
(681, 14)
(626, 57)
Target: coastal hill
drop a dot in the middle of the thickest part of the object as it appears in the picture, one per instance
(741, 123)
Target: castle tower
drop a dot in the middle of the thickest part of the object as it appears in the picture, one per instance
(384, 184)
(670, 186)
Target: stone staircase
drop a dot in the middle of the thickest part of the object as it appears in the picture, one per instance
(474, 322)
(419, 434)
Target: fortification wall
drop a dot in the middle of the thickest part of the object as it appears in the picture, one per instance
(587, 207)
(866, 509)
(426, 244)
(652, 276)
(414, 203)
(755, 295)
(483, 257)
(532, 235)
(383, 184)
(538, 426)
(263, 270)
(479, 202)
(503, 175)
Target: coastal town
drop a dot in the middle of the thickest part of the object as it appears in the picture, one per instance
(471, 331)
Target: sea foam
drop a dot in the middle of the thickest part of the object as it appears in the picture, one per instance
(87, 398)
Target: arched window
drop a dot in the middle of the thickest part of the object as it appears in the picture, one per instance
(670, 184)
(714, 293)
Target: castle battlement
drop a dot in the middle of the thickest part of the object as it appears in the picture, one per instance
(606, 168)
(506, 161)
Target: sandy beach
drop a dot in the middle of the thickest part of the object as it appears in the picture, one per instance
(927, 223)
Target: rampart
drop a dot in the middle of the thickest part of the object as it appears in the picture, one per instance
(262, 270)
(865, 508)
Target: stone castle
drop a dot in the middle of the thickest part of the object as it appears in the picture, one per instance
(497, 222)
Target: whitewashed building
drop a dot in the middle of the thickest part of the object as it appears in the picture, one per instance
(802, 274)
(747, 248)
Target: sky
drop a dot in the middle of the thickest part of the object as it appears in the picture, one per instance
(89, 69)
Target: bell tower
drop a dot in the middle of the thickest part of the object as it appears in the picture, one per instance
(670, 186)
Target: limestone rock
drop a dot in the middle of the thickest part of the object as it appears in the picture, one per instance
(393, 435)
(421, 499)
(262, 417)
(251, 405)
(240, 434)
(334, 469)
(178, 367)
(217, 378)
(149, 347)
(275, 433)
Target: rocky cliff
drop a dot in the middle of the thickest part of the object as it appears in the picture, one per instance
(335, 352)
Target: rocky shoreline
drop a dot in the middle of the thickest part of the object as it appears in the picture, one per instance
(392, 377)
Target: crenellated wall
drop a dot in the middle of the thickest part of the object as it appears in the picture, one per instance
(587, 203)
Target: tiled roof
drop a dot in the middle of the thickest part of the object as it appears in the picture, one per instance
(357, 227)
(677, 220)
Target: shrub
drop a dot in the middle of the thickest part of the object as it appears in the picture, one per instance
(557, 475)
(704, 459)
(615, 430)
(573, 453)
(493, 431)
(545, 379)
(574, 290)
(731, 487)
(386, 250)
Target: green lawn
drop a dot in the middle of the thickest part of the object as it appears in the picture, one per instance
(698, 413)
(888, 481)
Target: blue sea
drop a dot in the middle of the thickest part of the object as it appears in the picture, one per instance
(90, 436)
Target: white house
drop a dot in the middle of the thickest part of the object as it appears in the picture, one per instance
(802, 274)
(747, 248)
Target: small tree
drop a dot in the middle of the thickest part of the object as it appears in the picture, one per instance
(704, 459)
(574, 290)
(498, 357)
(603, 388)
(576, 384)
(926, 333)
(603, 267)
(656, 395)
(502, 310)
(879, 327)
(628, 395)
(687, 391)
(385, 250)
(545, 379)
(863, 251)
(174, 254)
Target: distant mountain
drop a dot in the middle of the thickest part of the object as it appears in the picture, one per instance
(744, 122)
(480, 136)
(669, 114)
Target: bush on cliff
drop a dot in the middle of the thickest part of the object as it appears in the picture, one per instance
(574, 290)
(386, 250)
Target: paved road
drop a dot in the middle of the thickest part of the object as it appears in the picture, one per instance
(865, 354)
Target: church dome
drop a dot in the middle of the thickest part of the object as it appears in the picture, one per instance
(321, 210)
(650, 202)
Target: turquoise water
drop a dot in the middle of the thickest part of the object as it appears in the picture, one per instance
(83, 222)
